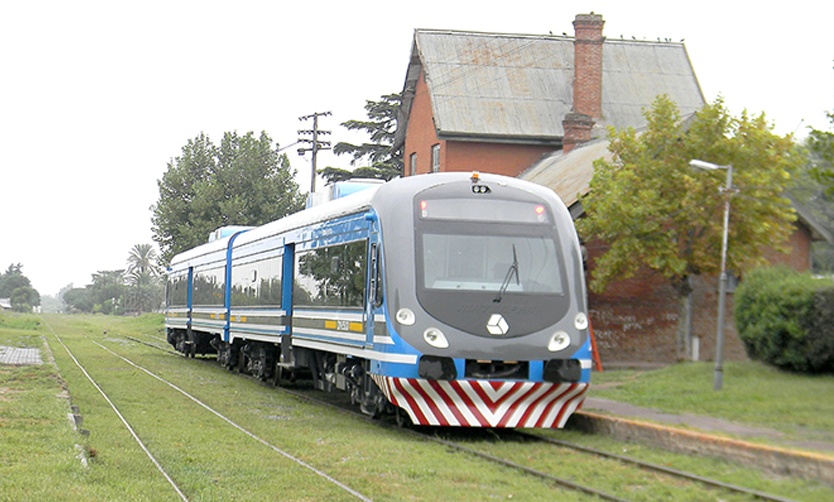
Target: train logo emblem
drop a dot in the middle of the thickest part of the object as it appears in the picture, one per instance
(497, 325)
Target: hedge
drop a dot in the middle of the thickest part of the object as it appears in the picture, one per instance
(786, 319)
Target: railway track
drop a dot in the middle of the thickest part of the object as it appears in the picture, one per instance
(163, 470)
(455, 439)
(651, 467)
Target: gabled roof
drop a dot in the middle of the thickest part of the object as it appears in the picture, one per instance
(520, 87)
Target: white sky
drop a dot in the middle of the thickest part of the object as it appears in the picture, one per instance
(97, 96)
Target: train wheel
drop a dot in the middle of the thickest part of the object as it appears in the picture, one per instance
(402, 418)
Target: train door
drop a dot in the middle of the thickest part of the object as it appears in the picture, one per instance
(189, 303)
(287, 273)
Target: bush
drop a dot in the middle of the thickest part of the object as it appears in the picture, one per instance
(786, 319)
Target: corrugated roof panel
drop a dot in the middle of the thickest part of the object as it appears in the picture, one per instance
(635, 73)
(569, 175)
(497, 85)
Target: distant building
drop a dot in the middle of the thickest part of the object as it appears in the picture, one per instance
(536, 106)
(497, 102)
(5, 304)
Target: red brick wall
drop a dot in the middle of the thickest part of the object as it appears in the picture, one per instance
(635, 321)
(420, 133)
(509, 160)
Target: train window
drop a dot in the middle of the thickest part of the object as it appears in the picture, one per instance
(178, 291)
(257, 283)
(333, 276)
(210, 286)
(376, 277)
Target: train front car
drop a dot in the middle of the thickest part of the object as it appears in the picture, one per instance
(487, 285)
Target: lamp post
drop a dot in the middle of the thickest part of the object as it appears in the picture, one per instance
(722, 288)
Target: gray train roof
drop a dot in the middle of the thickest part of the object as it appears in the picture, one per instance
(521, 86)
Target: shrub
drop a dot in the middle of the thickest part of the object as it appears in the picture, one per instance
(785, 319)
(820, 337)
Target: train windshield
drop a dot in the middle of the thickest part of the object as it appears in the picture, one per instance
(491, 263)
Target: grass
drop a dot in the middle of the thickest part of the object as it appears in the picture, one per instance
(211, 461)
(752, 394)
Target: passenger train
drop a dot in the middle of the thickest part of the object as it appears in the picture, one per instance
(445, 299)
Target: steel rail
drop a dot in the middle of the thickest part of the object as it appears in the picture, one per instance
(656, 468)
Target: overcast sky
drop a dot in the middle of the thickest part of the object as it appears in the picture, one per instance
(97, 97)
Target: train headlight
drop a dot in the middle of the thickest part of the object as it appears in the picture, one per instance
(559, 341)
(405, 316)
(581, 321)
(435, 338)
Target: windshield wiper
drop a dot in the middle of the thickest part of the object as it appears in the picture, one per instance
(513, 270)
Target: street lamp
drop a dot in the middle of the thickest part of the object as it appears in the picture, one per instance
(722, 288)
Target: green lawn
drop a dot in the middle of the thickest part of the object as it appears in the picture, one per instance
(801, 406)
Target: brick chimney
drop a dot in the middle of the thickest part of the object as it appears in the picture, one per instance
(587, 80)
(577, 127)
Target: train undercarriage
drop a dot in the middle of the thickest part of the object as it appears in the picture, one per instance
(328, 372)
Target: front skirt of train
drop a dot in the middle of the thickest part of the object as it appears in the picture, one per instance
(484, 403)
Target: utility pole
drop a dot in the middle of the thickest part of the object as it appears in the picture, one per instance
(315, 143)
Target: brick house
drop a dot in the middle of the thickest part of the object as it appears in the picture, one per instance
(521, 105)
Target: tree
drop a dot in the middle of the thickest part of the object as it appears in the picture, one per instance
(654, 211)
(381, 159)
(821, 144)
(144, 288)
(244, 181)
(810, 190)
(17, 287)
(107, 291)
(78, 300)
(142, 259)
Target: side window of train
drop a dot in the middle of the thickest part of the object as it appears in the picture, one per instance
(376, 276)
(257, 283)
(332, 276)
(177, 290)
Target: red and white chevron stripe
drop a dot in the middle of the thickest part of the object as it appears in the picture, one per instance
(482, 403)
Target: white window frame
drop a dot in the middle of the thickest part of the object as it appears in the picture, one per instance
(435, 158)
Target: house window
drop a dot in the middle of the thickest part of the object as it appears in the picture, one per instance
(412, 164)
(435, 158)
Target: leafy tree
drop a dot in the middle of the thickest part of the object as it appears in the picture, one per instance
(107, 291)
(381, 160)
(821, 145)
(17, 287)
(654, 211)
(244, 181)
(78, 300)
(810, 190)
